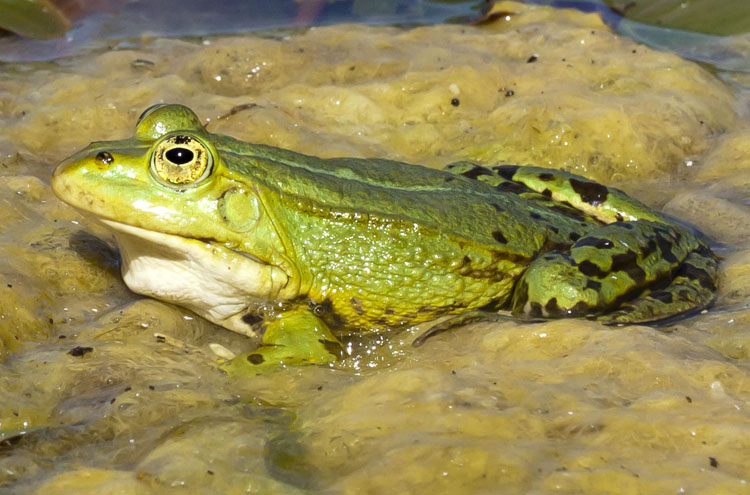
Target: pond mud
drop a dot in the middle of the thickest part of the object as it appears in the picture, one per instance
(102, 391)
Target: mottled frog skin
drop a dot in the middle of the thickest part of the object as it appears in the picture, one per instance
(256, 237)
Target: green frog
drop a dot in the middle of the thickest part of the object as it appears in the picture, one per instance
(262, 239)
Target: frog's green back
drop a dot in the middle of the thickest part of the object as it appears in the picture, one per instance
(389, 191)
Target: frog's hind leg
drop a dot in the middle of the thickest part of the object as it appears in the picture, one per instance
(557, 187)
(612, 274)
(691, 289)
(616, 267)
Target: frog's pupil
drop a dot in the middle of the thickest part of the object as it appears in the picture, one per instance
(180, 156)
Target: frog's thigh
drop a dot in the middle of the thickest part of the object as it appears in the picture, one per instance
(553, 286)
(611, 264)
(295, 337)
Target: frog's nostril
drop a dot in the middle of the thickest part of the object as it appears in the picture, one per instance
(105, 157)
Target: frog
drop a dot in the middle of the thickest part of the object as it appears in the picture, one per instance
(296, 250)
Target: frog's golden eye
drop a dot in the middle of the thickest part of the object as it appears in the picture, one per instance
(181, 160)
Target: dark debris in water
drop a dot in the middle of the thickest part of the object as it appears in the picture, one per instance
(79, 351)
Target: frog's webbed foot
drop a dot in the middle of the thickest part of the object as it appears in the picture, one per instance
(294, 337)
(641, 271)
(690, 290)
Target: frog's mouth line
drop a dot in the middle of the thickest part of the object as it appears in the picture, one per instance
(206, 277)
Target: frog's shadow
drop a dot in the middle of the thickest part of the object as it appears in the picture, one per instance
(96, 251)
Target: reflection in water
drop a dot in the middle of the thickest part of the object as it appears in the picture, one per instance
(97, 22)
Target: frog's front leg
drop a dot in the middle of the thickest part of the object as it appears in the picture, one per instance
(614, 267)
(293, 337)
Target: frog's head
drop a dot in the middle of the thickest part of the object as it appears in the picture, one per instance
(191, 230)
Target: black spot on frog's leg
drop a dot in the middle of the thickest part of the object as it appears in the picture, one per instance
(546, 177)
(591, 269)
(579, 309)
(636, 273)
(535, 310)
(547, 193)
(476, 171)
(623, 260)
(698, 274)
(506, 171)
(552, 308)
(574, 236)
(590, 192)
(665, 246)
(535, 215)
(649, 248)
(512, 187)
(251, 318)
(255, 358)
(628, 262)
(499, 237)
(593, 284)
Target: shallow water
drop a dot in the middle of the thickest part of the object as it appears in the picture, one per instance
(123, 23)
(120, 394)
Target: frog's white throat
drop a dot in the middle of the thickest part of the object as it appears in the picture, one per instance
(207, 278)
